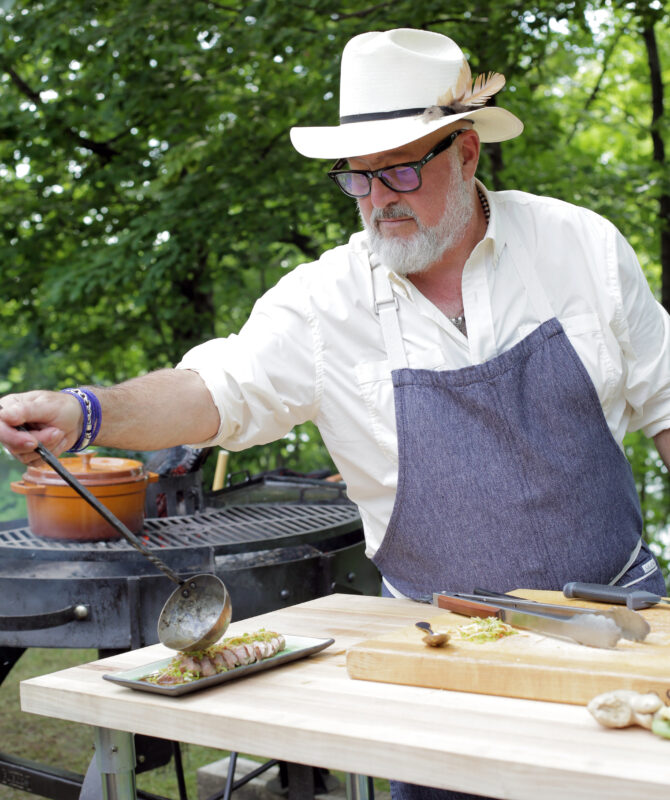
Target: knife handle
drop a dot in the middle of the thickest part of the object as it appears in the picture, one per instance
(611, 594)
(468, 608)
(596, 591)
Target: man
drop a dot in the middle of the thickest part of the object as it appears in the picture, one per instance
(472, 359)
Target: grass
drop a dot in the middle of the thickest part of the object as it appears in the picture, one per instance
(69, 745)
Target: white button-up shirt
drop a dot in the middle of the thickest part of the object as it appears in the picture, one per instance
(312, 348)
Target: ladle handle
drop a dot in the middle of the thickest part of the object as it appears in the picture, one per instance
(92, 500)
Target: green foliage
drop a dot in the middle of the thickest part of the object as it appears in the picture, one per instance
(299, 451)
(651, 479)
(12, 505)
(151, 192)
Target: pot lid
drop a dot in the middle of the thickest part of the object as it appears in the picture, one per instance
(90, 470)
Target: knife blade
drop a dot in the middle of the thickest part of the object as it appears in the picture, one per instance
(592, 630)
(633, 625)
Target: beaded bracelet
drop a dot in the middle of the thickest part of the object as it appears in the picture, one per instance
(90, 406)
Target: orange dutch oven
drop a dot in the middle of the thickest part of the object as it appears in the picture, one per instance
(56, 511)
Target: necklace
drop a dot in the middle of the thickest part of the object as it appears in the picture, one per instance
(459, 320)
(486, 208)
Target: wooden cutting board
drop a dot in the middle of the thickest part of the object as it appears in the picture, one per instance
(524, 664)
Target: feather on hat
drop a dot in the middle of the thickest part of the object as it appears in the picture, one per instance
(466, 95)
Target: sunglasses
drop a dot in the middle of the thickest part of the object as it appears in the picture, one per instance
(398, 177)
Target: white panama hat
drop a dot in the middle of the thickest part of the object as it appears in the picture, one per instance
(400, 85)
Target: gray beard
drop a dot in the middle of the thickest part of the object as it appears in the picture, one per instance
(417, 253)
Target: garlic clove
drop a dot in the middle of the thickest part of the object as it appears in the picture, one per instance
(612, 710)
(648, 703)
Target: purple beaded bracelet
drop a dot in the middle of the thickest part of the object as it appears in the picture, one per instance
(90, 406)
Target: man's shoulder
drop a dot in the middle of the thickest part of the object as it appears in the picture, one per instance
(346, 262)
(514, 202)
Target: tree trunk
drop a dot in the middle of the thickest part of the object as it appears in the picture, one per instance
(495, 154)
(649, 36)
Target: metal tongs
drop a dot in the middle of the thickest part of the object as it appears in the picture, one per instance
(592, 627)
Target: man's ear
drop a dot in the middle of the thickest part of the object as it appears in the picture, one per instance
(469, 150)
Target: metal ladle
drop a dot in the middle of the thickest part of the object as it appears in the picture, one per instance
(197, 613)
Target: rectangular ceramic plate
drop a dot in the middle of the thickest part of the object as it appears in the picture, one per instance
(296, 647)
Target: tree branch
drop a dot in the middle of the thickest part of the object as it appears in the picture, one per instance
(656, 77)
(304, 243)
(221, 7)
(365, 12)
(23, 87)
(281, 136)
(102, 149)
(657, 103)
(596, 88)
(448, 20)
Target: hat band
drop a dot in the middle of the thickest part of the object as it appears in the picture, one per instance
(403, 112)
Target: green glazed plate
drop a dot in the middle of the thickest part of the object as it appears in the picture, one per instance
(296, 647)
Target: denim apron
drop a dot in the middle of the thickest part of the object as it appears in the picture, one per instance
(508, 475)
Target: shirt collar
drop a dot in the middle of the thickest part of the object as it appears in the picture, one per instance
(493, 233)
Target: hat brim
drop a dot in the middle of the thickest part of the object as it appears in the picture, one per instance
(492, 124)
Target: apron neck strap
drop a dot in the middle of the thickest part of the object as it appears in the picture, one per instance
(386, 308)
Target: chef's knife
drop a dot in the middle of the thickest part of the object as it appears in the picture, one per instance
(613, 594)
(633, 625)
(590, 629)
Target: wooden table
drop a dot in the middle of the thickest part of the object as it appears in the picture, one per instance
(311, 712)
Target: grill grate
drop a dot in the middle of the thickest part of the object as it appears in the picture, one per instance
(230, 529)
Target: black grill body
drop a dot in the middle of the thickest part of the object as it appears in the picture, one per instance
(107, 595)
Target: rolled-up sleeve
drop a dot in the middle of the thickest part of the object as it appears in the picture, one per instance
(646, 346)
(266, 379)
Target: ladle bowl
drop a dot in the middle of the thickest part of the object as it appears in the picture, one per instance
(196, 614)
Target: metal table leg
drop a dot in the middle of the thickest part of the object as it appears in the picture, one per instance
(115, 757)
(359, 787)
(300, 782)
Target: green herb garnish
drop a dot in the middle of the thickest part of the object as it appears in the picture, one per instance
(487, 629)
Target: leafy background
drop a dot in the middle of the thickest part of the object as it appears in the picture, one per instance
(150, 191)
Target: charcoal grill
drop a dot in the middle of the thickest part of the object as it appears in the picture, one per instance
(106, 596)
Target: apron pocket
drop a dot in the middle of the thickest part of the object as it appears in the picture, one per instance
(376, 390)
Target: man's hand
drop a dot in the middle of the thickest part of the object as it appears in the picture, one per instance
(53, 419)
(162, 409)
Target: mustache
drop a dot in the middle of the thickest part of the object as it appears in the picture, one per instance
(391, 212)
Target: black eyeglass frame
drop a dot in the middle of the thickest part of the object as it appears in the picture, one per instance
(440, 147)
